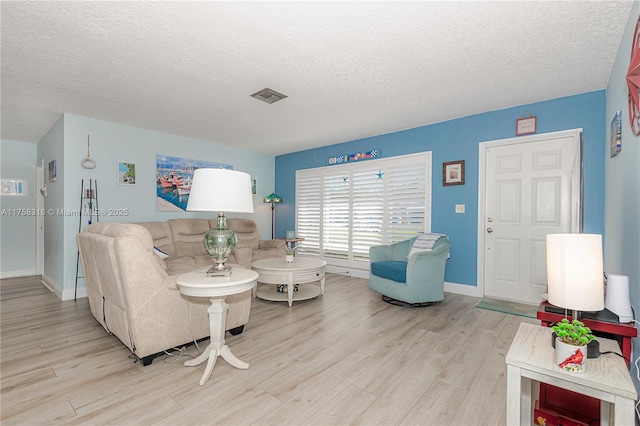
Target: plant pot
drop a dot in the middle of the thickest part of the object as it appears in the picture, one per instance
(570, 357)
(288, 258)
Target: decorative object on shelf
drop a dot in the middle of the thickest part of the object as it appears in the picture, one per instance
(289, 256)
(291, 235)
(283, 288)
(527, 124)
(174, 176)
(126, 173)
(363, 155)
(572, 338)
(274, 199)
(453, 173)
(292, 245)
(13, 187)
(575, 272)
(53, 170)
(633, 82)
(616, 134)
(220, 190)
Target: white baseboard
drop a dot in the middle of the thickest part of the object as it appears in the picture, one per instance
(350, 272)
(463, 289)
(52, 285)
(68, 294)
(18, 273)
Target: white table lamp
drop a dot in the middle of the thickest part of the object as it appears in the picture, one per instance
(220, 190)
(574, 272)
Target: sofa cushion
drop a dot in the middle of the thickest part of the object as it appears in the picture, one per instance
(161, 234)
(395, 270)
(246, 232)
(116, 230)
(180, 265)
(188, 236)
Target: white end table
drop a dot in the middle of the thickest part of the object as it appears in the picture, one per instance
(531, 358)
(301, 271)
(197, 284)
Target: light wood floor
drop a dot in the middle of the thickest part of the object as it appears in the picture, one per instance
(344, 358)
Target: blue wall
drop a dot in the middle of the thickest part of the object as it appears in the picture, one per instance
(458, 140)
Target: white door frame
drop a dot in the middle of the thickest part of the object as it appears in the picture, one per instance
(577, 213)
(40, 185)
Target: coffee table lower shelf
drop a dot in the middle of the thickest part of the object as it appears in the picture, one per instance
(305, 292)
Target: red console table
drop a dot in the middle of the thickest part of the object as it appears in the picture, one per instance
(558, 406)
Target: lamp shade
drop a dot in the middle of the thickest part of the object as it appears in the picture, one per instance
(272, 198)
(574, 271)
(220, 190)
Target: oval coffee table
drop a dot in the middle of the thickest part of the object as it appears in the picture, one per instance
(303, 270)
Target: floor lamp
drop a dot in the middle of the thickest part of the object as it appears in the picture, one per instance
(273, 198)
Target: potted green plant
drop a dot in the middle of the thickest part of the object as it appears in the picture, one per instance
(289, 254)
(571, 345)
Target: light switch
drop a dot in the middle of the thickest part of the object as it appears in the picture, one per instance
(459, 208)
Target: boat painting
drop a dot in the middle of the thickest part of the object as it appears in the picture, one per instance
(173, 180)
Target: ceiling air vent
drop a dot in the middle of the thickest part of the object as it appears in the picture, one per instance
(269, 96)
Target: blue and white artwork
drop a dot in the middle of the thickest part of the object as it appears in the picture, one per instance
(173, 180)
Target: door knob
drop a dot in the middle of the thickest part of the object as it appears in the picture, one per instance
(489, 230)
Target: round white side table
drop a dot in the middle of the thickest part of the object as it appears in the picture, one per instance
(197, 284)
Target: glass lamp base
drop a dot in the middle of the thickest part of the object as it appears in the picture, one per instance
(219, 243)
(215, 271)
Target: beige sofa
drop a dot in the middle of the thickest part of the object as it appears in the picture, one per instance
(132, 292)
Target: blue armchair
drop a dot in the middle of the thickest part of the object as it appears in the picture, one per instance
(417, 279)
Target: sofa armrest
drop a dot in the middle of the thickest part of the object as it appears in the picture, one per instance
(278, 244)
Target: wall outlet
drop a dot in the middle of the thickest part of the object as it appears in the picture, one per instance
(459, 208)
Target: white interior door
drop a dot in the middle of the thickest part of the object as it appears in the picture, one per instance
(531, 189)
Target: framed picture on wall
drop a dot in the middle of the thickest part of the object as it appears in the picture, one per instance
(53, 170)
(13, 187)
(453, 173)
(126, 173)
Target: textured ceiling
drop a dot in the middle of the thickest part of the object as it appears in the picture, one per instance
(349, 69)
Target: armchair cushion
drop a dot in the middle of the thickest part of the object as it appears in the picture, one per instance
(395, 270)
(424, 242)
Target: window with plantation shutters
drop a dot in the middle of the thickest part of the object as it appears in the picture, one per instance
(342, 210)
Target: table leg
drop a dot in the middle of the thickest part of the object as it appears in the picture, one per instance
(519, 393)
(605, 413)
(290, 288)
(322, 286)
(624, 411)
(217, 347)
